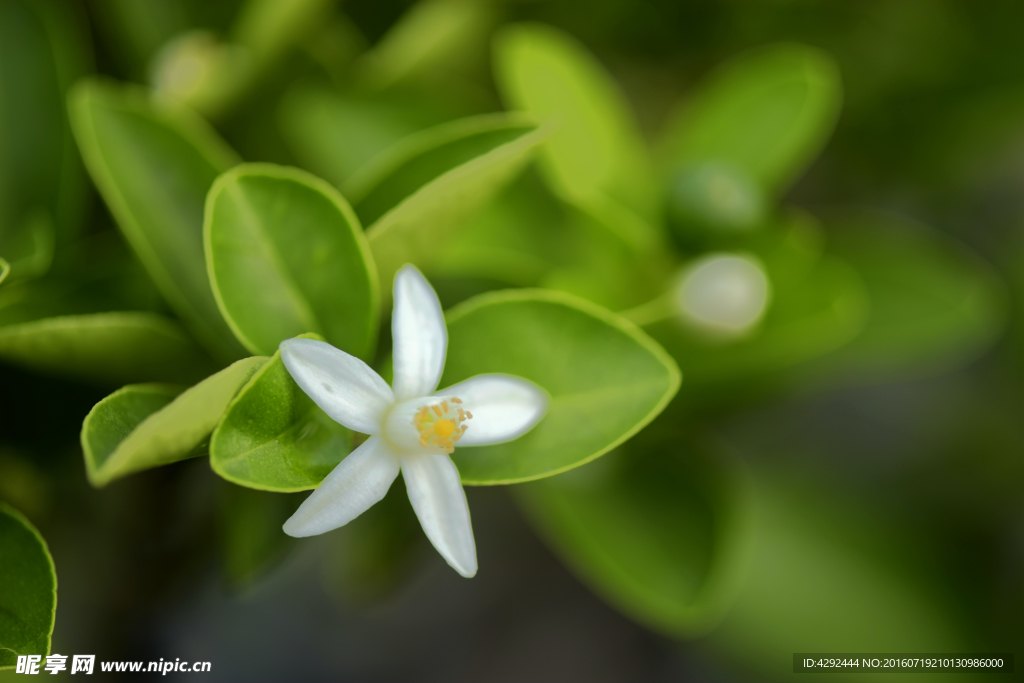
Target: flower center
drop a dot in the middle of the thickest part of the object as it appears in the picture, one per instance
(441, 424)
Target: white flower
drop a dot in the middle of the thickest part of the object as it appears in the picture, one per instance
(412, 427)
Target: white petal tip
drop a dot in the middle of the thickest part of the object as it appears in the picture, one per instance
(408, 268)
(290, 344)
(419, 335)
(504, 407)
(294, 529)
(465, 566)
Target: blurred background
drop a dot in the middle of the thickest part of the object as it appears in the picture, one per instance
(818, 485)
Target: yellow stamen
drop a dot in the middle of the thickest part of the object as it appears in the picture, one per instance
(444, 428)
(440, 425)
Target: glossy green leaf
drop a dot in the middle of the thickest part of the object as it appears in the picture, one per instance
(142, 426)
(596, 147)
(933, 303)
(418, 196)
(107, 348)
(273, 437)
(820, 572)
(335, 135)
(112, 421)
(5, 270)
(154, 165)
(252, 540)
(659, 531)
(287, 256)
(767, 113)
(606, 378)
(28, 589)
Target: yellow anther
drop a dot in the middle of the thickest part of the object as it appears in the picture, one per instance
(440, 425)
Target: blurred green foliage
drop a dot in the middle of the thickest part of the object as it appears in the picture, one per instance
(560, 176)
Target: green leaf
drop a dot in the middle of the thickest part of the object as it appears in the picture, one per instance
(273, 437)
(596, 148)
(612, 260)
(287, 256)
(135, 33)
(154, 165)
(29, 247)
(80, 321)
(142, 426)
(820, 314)
(28, 589)
(817, 304)
(597, 249)
(198, 70)
(767, 113)
(934, 304)
(821, 570)
(99, 275)
(5, 270)
(267, 28)
(516, 239)
(335, 135)
(42, 51)
(659, 531)
(252, 540)
(713, 201)
(606, 378)
(418, 196)
(433, 36)
(107, 348)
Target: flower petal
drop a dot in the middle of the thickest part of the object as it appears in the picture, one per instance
(343, 386)
(504, 407)
(435, 491)
(359, 481)
(420, 337)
